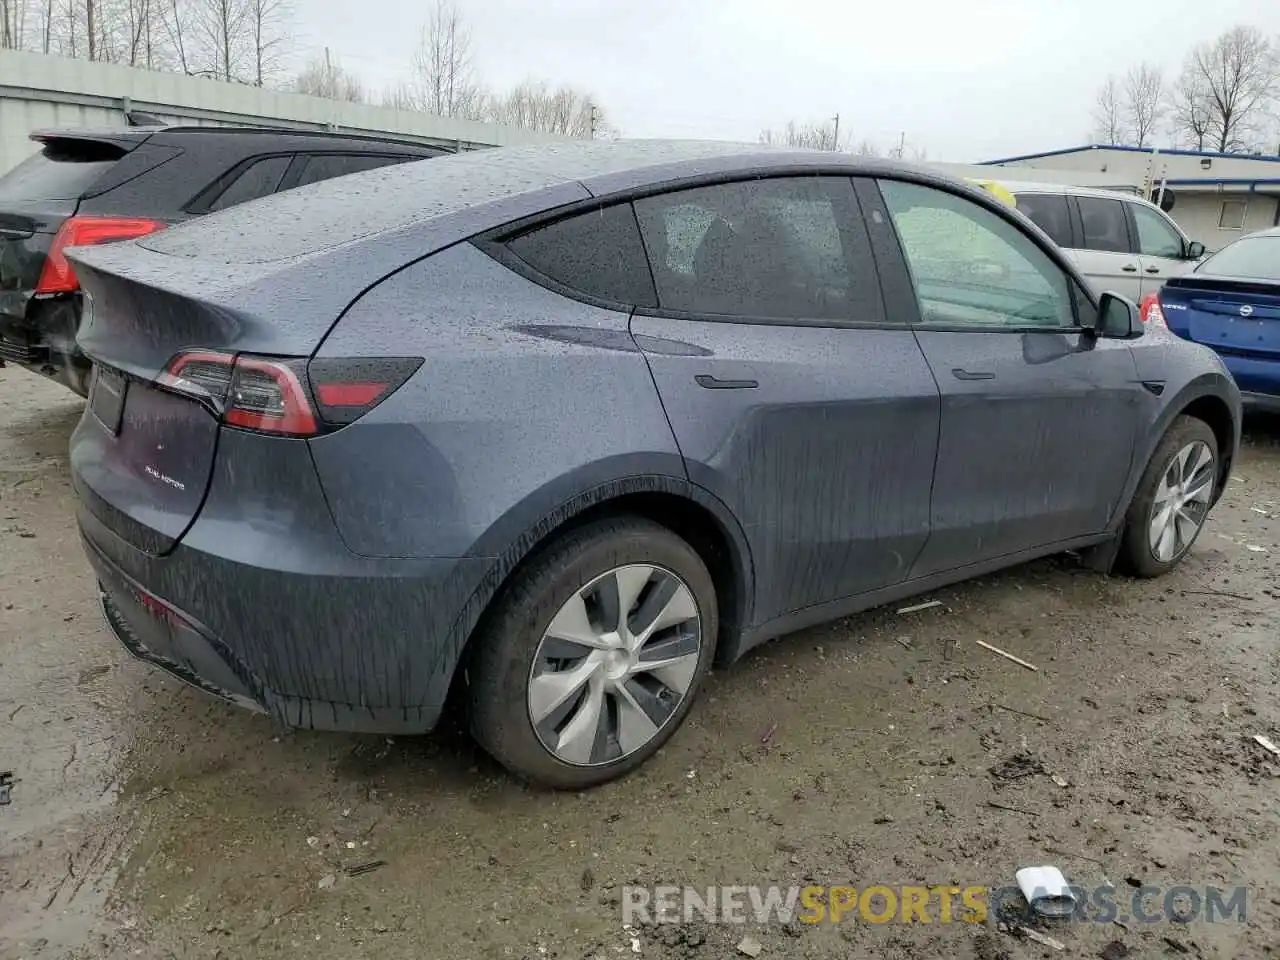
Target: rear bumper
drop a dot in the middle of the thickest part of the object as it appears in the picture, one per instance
(262, 605)
(1260, 402)
(43, 341)
(1258, 379)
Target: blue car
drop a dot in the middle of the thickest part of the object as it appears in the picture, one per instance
(1231, 303)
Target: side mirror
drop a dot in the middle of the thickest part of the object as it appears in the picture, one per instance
(1118, 317)
(1195, 250)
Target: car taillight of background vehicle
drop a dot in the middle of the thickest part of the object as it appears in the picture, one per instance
(286, 397)
(57, 275)
(1151, 311)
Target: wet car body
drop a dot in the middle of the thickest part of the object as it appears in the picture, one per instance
(333, 572)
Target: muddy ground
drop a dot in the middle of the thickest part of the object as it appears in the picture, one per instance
(149, 821)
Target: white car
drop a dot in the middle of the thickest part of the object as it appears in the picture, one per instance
(1119, 241)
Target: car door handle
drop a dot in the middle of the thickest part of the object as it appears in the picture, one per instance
(971, 375)
(712, 383)
(1153, 269)
(1129, 268)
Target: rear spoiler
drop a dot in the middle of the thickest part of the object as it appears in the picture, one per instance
(122, 140)
(1232, 284)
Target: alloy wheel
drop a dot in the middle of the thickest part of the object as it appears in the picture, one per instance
(1181, 501)
(614, 665)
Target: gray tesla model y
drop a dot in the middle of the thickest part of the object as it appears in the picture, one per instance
(560, 427)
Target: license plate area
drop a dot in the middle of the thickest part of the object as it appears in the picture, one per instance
(106, 399)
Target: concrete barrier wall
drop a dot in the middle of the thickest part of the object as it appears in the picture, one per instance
(39, 91)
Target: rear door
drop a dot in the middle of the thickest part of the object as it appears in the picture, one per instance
(1038, 419)
(1106, 255)
(1162, 247)
(794, 398)
(36, 196)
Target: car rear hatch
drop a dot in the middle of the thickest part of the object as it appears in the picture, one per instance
(1234, 317)
(36, 199)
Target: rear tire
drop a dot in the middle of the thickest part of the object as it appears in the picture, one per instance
(1171, 504)
(598, 695)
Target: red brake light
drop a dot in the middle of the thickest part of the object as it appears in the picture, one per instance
(255, 393)
(1151, 311)
(57, 276)
(348, 388)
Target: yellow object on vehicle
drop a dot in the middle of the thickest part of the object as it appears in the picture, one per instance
(996, 190)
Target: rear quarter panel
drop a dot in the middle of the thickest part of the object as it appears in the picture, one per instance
(525, 401)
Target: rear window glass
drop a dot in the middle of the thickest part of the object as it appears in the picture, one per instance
(330, 165)
(597, 253)
(259, 179)
(56, 173)
(1253, 258)
(1105, 226)
(1048, 212)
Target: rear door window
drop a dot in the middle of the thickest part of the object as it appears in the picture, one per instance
(260, 179)
(782, 248)
(59, 172)
(597, 253)
(1050, 213)
(1104, 223)
(326, 166)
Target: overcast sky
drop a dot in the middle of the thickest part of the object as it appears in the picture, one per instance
(963, 79)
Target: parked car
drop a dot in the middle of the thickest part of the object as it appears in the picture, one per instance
(1231, 303)
(1120, 242)
(566, 425)
(95, 186)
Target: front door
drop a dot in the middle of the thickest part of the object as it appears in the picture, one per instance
(1038, 418)
(1107, 254)
(792, 397)
(1163, 249)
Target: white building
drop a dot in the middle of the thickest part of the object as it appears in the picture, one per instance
(1216, 196)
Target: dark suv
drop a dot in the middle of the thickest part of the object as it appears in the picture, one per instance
(94, 186)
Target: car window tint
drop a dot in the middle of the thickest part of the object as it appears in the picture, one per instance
(597, 253)
(1104, 224)
(58, 172)
(326, 166)
(1050, 213)
(973, 268)
(259, 179)
(1156, 238)
(761, 248)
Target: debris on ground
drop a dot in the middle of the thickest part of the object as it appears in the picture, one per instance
(1115, 950)
(1042, 938)
(1046, 890)
(768, 734)
(1008, 656)
(927, 605)
(360, 869)
(749, 946)
(1016, 767)
(1175, 945)
(1258, 738)
(327, 881)
(1059, 779)
(1022, 713)
(904, 642)
(6, 787)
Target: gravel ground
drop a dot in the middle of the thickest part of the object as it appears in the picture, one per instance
(149, 821)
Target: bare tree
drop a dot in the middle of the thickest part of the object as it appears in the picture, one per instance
(1108, 114)
(325, 77)
(443, 76)
(13, 17)
(866, 148)
(267, 23)
(1226, 89)
(1144, 101)
(534, 105)
(807, 136)
(175, 19)
(221, 43)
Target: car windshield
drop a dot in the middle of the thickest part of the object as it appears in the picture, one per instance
(1257, 258)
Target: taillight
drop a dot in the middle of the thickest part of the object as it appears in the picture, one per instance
(57, 276)
(1151, 311)
(286, 397)
(346, 389)
(256, 393)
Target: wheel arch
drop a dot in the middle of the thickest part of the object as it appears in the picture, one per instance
(686, 509)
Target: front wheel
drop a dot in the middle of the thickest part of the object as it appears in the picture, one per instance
(593, 654)
(1172, 501)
